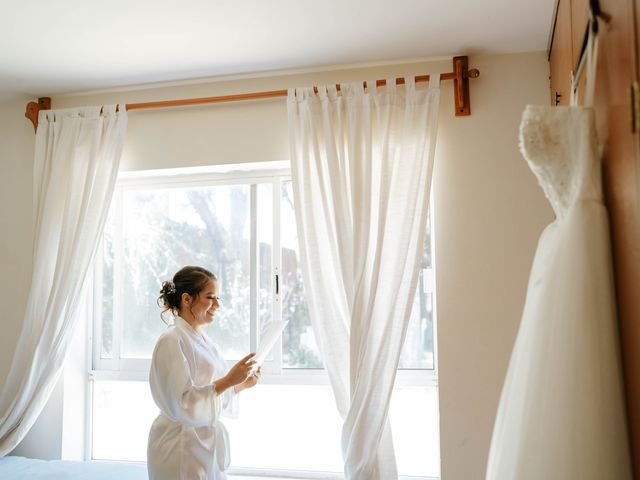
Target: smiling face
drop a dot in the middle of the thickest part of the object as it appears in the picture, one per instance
(200, 310)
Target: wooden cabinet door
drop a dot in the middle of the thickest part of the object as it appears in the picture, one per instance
(617, 71)
(560, 55)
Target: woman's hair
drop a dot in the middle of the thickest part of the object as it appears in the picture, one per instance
(191, 280)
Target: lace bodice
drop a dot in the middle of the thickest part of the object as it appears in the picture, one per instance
(560, 145)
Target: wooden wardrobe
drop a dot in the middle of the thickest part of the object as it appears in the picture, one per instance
(617, 106)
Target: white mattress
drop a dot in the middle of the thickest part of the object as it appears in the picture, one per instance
(19, 468)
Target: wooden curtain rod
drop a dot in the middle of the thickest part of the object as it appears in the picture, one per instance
(460, 77)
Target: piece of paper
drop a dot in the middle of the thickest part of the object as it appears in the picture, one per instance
(268, 340)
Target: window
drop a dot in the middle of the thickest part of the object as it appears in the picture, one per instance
(239, 223)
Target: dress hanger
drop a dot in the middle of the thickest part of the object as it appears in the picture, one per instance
(595, 14)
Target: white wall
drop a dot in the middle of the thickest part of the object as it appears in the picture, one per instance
(489, 213)
(16, 169)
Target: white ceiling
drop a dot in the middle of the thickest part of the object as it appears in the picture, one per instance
(57, 46)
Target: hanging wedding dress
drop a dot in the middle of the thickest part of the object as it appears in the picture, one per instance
(562, 411)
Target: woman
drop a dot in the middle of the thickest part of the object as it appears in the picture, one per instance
(189, 385)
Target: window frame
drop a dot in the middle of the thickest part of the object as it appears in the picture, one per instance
(133, 181)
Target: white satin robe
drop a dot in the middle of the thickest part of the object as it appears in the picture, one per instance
(187, 440)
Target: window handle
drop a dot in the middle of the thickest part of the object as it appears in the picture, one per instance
(277, 285)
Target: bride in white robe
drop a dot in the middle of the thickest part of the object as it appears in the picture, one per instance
(191, 386)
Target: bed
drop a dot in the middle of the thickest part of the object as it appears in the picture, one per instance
(20, 468)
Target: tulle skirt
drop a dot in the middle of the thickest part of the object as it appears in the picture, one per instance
(562, 411)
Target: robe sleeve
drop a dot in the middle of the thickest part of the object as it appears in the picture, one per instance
(229, 404)
(173, 389)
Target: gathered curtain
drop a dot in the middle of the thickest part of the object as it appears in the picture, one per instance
(361, 166)
(77, 155)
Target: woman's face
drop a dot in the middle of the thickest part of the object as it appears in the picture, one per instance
(204, 305)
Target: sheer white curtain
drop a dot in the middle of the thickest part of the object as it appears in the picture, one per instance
(361, 166)
(76, 162)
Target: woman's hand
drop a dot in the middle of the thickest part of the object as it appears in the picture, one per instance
(236, 374)
(251, 381)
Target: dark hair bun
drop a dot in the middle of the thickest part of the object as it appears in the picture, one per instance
(168, 294)
(168, 288)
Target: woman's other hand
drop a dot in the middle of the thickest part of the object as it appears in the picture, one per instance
(251, 381)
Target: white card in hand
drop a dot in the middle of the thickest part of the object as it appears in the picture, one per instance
(267, 340)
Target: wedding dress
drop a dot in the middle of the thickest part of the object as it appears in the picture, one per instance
(562, 411)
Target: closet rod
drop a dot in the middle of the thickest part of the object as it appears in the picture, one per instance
(460, 76)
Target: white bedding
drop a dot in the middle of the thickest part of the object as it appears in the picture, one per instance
(20, 468)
